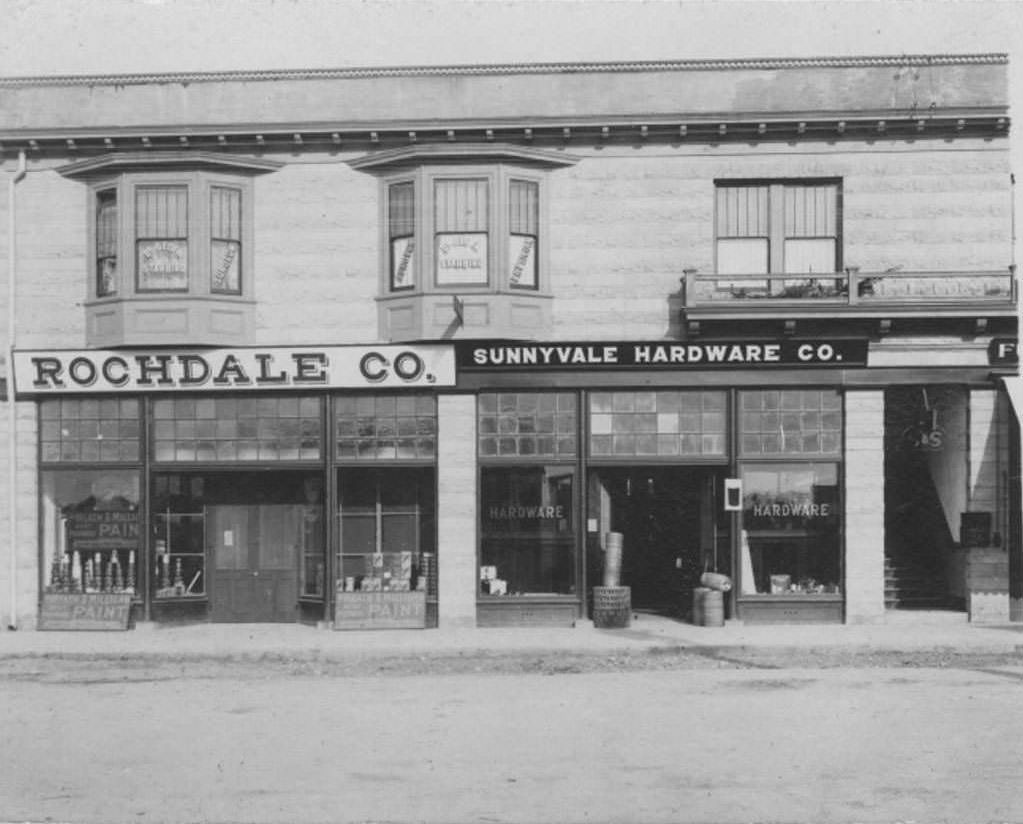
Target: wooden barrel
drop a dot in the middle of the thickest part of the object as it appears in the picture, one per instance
(698, 596)
(612, 607)
(713, 608)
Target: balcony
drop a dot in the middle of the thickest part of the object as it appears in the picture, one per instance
(908, 299)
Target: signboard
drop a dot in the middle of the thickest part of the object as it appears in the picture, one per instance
(974, 529)
(1003, 352)
(103, 530)
(462, 258)
(163, 264)
(380, 610)
(60, 372)
(500, 356)
(85, 611)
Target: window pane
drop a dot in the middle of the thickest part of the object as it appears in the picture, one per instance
(742, 211)
(461, 206)
(522, 265)
(385, 427)
(90, 530)
(528, 543)
(810, 422)
(811, 211)
(791, 518)
(225, 239)
(75, 429)
(161, 232)
(515, 424)
(106, 242)
(810, 256)
(745, 256)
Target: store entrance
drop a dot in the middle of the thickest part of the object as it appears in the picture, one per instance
(672, 531)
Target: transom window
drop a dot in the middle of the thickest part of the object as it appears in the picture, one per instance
(791, 227)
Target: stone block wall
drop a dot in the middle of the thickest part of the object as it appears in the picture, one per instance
(864, 507)
(19, 582)
(456, 511)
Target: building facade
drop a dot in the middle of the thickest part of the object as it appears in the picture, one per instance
(402, 347)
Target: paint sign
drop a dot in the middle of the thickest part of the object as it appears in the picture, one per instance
(84, 611)
(380, 610)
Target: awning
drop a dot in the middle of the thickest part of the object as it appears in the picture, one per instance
(1014, 387)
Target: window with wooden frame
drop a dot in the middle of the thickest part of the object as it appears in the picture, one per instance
(458, 228)
(778, 227)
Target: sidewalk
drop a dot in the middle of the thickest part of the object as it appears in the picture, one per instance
(645, 633)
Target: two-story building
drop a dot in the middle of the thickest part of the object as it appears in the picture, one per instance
(402, 347)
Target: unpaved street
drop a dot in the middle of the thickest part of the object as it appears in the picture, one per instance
(712, 742)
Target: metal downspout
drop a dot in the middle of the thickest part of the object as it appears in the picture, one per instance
(12, 416)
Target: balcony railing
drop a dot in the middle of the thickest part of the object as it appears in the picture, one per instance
(855, 289)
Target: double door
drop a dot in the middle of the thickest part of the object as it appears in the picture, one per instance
(255, 552)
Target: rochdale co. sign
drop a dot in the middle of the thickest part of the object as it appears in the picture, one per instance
(56, 372)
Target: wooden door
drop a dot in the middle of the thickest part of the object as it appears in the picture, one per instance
(255, 551)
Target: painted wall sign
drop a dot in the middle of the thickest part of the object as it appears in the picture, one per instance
(335, 367)
(504, 356)
(1003, 352)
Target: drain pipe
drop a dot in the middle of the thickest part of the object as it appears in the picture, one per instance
(12, 412)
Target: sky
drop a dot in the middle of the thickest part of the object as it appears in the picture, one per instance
(52, 37)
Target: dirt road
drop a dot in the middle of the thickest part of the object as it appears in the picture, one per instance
(717, 741)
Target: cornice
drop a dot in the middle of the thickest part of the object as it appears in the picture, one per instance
(744, 64)
(131, 161)
(441, 152)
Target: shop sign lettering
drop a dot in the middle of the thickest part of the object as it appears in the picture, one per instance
(640, 355)
(792, 510)
(93, 530)
(63, 372)
(92, 611)
(374, 610)
(516, 513)
(1003, 352)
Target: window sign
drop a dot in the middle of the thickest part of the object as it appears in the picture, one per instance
(522, 261)
(403, 268)
(462, 258)
(163, 264)
(224, 264)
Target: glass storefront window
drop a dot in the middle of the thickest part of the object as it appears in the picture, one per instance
(264, 428)
(528, 531)
(219, 534)
(387, 530)
(386, 427)
(790, 422)
(93, 430)
(657, 424)
(790, 539)
(90, 530)
(527, 424)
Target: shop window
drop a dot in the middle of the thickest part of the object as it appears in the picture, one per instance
(387, 530)
(92, 430)
(90, 530)
(238, 428)
(790, 422)
(528, 531)
(790, 540)
(791, 227)
(399, 427)
(527, 425)
(658, 424)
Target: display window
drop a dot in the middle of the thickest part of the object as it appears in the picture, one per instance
(790, 540)
(387, 530)
(386, 427)
(527, 425)
(91, 535)
(528, 531)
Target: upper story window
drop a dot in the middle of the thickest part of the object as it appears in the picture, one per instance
(783, 227)
(464, 218)
(170, 223)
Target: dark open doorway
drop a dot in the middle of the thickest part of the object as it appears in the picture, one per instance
(673, 530)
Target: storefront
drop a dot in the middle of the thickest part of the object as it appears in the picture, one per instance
(198, 483)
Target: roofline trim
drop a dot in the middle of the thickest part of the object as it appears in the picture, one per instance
(991, 58)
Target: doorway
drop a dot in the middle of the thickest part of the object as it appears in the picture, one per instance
(673, 530)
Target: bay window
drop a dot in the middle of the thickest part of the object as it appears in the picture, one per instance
(171, 239)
